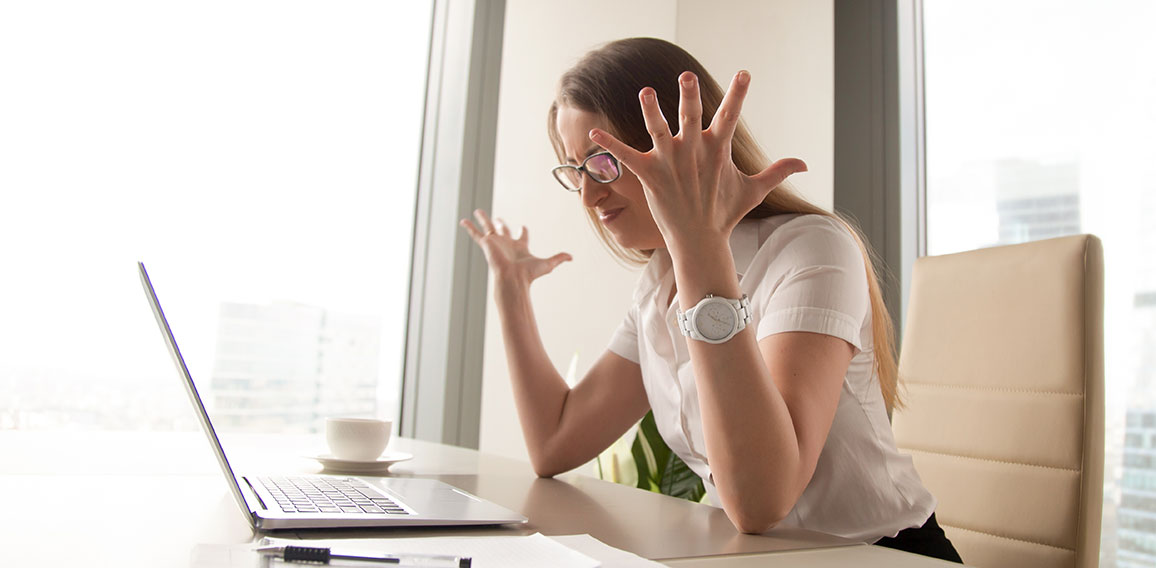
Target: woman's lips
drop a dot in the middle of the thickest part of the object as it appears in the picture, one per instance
(607, 216)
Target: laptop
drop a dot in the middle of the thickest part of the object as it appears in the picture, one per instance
(295, 501)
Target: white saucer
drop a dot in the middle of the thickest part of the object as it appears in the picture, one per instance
(379, 465)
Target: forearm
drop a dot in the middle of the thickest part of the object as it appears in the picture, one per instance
(540, 392)
(750, 437)
(751, 440)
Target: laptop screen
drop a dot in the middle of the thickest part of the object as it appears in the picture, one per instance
(191, 389)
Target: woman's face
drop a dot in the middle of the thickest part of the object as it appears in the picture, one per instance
(621, 204)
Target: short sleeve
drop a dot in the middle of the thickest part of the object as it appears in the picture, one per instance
(812, 278)
(624, 342)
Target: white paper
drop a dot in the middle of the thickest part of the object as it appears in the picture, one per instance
(609, 556)
(533, 551)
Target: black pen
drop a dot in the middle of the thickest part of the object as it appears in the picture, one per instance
(325, 555)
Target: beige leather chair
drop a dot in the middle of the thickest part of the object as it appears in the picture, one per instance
(1002, 369)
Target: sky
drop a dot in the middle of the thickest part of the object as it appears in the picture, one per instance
(1051, 82)
(279, 166)
(240, 166)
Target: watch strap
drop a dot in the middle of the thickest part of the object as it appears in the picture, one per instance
(742, 306)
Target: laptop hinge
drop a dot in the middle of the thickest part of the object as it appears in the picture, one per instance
(253, 490)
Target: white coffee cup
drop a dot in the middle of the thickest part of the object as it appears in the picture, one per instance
(360, 439)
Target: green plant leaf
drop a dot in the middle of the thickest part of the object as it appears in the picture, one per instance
(678, 480)
(650, 454)
(661, 470)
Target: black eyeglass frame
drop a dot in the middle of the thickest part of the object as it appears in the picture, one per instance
(556, 171)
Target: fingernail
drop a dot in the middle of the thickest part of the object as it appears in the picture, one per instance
(744, 77)
(594, 134)
(647, 95)
(687, 79)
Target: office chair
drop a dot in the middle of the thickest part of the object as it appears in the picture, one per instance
(1002, 373)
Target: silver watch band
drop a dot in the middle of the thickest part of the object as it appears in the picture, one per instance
(742, 308)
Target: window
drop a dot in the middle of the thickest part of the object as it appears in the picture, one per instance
(1039, 124)
(260, 157)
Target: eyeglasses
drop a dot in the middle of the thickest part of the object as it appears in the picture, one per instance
(601, 167)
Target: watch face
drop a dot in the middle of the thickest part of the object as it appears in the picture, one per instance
(715, 320)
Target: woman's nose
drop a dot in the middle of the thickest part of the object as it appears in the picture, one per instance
(592, 192)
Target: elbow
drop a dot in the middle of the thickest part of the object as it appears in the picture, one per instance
(551, 458)
(756, 522)
(755, 507)
(754, 529)
(544, 471)
(546, 466)
(757, 516)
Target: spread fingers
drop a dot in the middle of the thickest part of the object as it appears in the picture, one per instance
(656, 123)
(727, 118)
(689, 107)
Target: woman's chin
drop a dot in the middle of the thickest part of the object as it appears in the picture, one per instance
(633, 242)
(624, 240)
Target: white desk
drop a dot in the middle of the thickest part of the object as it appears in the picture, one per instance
(90, 499)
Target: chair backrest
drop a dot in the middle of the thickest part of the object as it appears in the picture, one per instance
(1002, 373)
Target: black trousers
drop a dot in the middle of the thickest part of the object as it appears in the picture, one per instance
(927, 540)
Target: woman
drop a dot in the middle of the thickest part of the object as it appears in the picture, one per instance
(758, 335)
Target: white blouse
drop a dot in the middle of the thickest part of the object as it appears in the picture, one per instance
(801, 273)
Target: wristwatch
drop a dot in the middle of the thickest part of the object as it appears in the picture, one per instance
(715, 319)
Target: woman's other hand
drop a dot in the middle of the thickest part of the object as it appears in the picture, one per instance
(691, 182)
(509, 258)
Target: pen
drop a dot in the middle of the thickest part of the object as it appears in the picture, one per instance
(325, 555)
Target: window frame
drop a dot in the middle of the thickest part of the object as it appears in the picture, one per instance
(880, 165)
(442, 376)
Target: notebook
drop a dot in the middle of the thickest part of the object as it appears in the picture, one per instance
(295, 501)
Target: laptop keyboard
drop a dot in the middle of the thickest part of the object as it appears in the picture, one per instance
(330, 495)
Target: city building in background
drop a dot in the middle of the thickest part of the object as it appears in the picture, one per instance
(284, 367)
(1136, 513)
(1019, 148)
(1036, 200)
(252, 166)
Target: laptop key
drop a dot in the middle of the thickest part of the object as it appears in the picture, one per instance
(340, 496)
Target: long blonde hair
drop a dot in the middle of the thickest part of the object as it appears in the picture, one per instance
(607, 80)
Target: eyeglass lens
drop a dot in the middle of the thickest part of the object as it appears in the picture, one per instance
(601, 167)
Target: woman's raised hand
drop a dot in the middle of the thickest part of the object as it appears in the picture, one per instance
(691, 182)
(509, 258)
